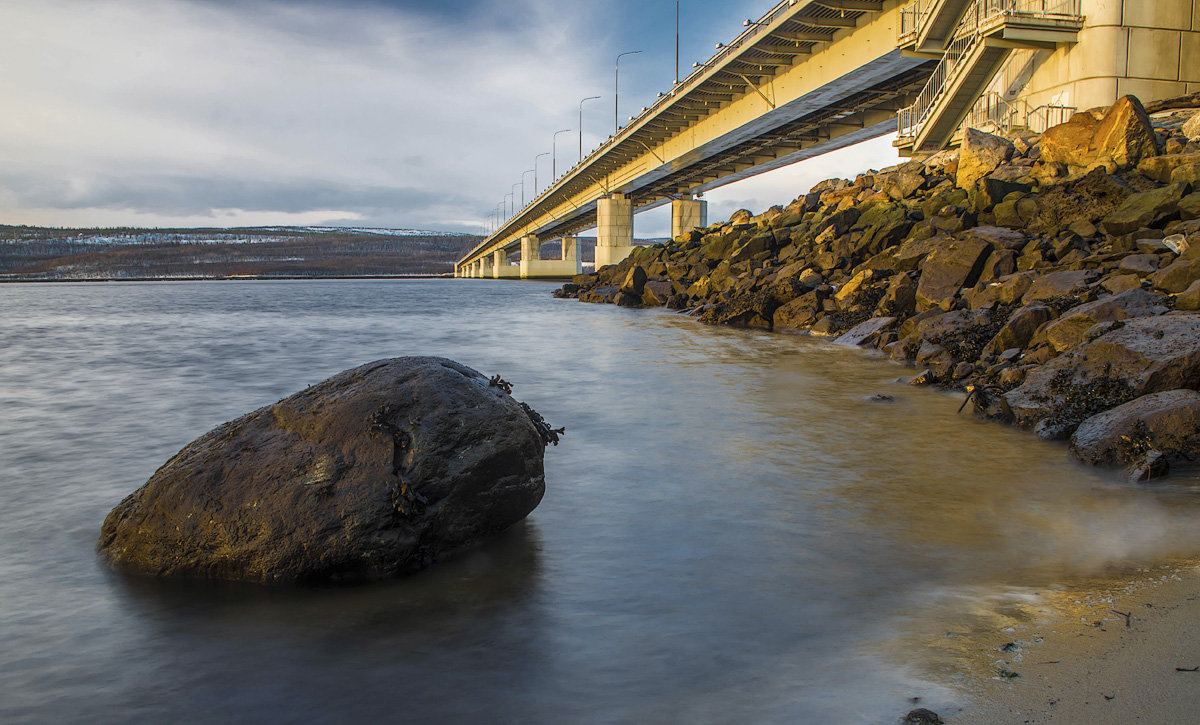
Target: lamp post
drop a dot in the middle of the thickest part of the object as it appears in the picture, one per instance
(530, 171)
(513, 203)
(676, 42)
(617, 91)
(554, 155)
(589, 98)
(535, 181)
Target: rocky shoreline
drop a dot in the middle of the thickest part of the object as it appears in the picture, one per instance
(1055, 277)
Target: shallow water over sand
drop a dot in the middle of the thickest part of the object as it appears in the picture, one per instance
(731, 529)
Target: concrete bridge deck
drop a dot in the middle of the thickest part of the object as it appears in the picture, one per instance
(809, 77)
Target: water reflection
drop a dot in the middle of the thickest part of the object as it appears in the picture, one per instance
(731, 527)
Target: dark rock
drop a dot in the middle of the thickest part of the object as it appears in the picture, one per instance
(1167, 422)
(750, 310)
(1060, 284)
(922, 716)
(375, 472)
(655, 292)
(1140, 264)
(1147, 355)
(799, 314)
(1154, 464)
(1019, 329)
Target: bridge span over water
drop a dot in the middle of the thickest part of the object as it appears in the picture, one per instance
(812, 76)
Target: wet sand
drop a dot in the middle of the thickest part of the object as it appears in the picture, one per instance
(1088, 666)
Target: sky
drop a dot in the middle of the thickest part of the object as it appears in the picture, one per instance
(388, 113)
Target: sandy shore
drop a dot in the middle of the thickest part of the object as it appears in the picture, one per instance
(1087, 665)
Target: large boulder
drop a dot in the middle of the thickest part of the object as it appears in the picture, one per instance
(1146, 355)
(1070, 143)
(1161, 168)
(1123, 137)
(1126, 134)
(1177, 276)
(949, 269)
(980, 154)
(1191, 128)
(799, 314)
(1019, 329)
(1146, 209)
(1060, 284)
(375, 472)
(1168, 422)
(1072, 328)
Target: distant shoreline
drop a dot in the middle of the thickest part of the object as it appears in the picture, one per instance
(246, 278)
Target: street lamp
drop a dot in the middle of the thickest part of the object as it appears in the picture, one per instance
(531, 171)
(535, 165)
(589, 98)
(676, 42)
(554, 154)
(513, 194)
(617, 91)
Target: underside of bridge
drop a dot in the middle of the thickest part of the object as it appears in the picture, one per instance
(813, 76)
(809, 77)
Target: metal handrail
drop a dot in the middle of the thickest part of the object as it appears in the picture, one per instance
(911, 17)
(993, 110)
(967, 36)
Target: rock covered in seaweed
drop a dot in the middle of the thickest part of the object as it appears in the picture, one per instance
(375, 472)
(1050, 276)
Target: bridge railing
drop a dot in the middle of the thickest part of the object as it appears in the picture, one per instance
(981, 16)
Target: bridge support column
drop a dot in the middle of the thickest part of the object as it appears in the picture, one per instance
(501, 269)
(614, 229)
(688, 214)
(569, 265)
(571, 256)
(531, 254)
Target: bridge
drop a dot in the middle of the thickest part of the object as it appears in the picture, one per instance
(812, 76)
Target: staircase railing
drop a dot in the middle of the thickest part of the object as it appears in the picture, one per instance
(911, 17)
(1045, 116)
(995, 113)
(967, 36)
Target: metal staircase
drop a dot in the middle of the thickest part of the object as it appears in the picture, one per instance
(926, 26)
(986, 34)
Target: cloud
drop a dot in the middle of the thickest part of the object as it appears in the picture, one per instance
(385, 112)
(172, 108)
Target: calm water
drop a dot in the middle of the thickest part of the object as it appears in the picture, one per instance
(731, 529)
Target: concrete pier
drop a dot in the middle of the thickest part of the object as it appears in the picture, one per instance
(568, 264)
(614, 229)
(501, 269)
(687, 214)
